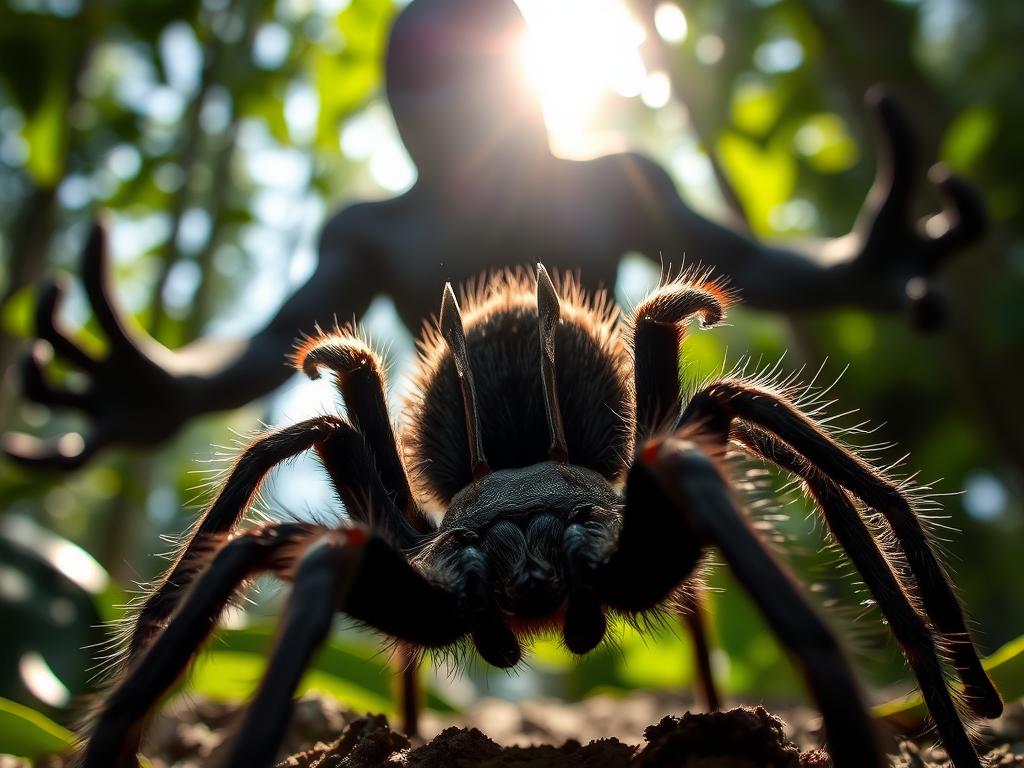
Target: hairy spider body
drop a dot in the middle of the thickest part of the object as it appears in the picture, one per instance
(504, 353)
(571, 483)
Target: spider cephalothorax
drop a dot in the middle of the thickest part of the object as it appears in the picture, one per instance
(571, 482)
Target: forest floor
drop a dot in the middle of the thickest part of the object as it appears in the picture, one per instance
(600, 732)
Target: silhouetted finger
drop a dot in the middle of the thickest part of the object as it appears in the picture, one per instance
(929, 308)
(39, 390)
(65, 453)
(96, 276)
(47, 328)
(963, 214)
(897, 151)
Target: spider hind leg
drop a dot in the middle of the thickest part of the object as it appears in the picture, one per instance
(908, 626)
(728, 400)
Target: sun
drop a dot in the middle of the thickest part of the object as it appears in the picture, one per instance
(577, 53)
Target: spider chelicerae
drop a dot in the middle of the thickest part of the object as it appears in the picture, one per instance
(574, 482)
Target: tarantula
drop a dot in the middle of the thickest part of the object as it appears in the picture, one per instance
(574, 482)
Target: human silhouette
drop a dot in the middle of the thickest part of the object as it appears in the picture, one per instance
(489, 193)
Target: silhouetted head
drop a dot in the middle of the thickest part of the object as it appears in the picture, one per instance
(456, 84)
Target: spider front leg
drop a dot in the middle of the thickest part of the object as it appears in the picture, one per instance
(658, 328)
(677, 503)
(359, 376)
(115, 737)
(364, 578)
(341, 570)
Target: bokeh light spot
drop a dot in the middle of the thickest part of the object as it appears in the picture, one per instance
(985, 497)
(41, 681)
(782, 55)
(670, 22)
(710, 49)
(657, 90)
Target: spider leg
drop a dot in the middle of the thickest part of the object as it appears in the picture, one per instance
(342, 573)
(693, 613)
(687, 478)
(409, 693)
(234, 498)
(326, 571)
(354, 473)
(659, 327)
(720, 404)
(344, 453)
(907, 625)
(120, 720)
(359, 376)
(332, 570)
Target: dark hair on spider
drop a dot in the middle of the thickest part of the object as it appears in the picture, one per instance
(572, 481)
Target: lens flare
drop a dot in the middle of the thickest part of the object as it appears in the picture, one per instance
(576, 54)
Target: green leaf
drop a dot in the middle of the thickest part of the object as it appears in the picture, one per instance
(765, 176)
(233, 676)
(364, 26)
(550, 653)
(357, 675)
(755, 108)
(657, 657)
(27, 733)
(968, 137)
(46, 134)
(654, 659)
(346, 81)
(17, 315)
(270, 106)
(826, 143)
(1005, 667)
(344, 87)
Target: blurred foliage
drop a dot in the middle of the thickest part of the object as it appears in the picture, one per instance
(219, 133)
(26, 733)
(342, 669)
(1005, 667)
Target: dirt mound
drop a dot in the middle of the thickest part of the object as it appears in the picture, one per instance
(600, 732)
(741, 738)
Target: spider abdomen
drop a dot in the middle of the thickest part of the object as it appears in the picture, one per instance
(504, 354)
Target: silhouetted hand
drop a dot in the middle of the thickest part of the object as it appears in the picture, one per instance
(130, 398)
(896, 260)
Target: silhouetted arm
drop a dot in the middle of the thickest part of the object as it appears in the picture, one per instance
(141, 393)
(220, 375)
(883, 264)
